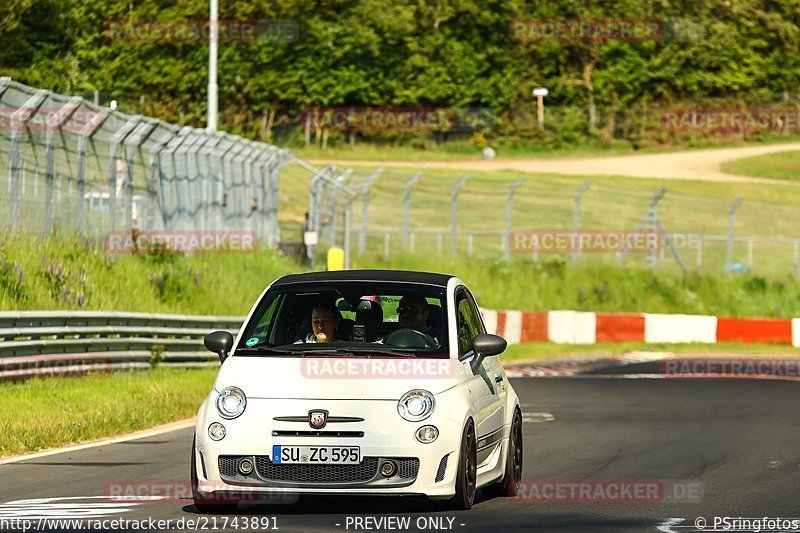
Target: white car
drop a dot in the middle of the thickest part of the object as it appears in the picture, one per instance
(396, 390)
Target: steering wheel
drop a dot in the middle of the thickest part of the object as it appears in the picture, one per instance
(411, 338)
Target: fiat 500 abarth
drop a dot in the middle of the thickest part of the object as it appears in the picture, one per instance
(358, 382)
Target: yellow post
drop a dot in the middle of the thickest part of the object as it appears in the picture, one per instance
(336, 259)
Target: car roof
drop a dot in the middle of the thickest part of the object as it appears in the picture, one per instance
(403, 276)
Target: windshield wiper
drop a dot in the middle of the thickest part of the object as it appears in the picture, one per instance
(355, 352)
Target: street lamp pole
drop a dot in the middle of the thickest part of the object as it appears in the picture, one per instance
(212, 67)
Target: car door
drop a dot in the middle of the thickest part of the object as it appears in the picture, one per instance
(489, 393)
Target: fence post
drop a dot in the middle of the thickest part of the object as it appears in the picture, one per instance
(362, 239)
(576, 219)
(731, 216)
(454, 213)
(341, 178)
(509, 215)
(407, 205)
(21, 116)
(113, 171)
(54, 122)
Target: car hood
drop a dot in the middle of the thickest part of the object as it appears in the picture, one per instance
(341, 378)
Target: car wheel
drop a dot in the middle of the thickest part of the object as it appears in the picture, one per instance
(509, 484)
(204, 504)
(466, 475)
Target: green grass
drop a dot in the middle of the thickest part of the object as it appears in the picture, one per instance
(782, 166)
(67, 273)
(553, 284)
(539, 351)
(45, 413)
(459, 150)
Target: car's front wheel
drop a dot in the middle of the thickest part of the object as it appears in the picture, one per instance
(467, 474)
(509, 484)
(203, 504)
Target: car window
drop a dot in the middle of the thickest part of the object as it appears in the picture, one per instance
(467, 326)
(367, 314)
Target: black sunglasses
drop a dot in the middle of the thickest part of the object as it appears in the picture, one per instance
(407, 310)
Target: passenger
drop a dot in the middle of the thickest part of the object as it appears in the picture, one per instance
(325, 320)
(413, 313)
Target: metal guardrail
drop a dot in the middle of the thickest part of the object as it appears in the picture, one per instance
(45, 343)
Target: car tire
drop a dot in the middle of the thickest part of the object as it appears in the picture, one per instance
(203, 504)
(466, 475)
(508, 486)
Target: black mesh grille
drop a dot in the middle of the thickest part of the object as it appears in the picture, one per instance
(227, 466)
(442, 468)
(300, 473)
(407, 468)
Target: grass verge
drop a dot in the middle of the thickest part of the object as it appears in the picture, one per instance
(782, 166)
(46, 413)
(539, 351)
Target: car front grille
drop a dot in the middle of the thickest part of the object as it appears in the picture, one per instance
(227, 466)
(300, 473)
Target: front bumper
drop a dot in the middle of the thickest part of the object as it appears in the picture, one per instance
(425, 469)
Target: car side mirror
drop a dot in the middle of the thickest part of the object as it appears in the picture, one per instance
(219, 342)
(486, 345)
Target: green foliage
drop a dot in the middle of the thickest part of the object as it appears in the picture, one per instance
(723, 53)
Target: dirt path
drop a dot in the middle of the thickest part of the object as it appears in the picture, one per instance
(687, 165)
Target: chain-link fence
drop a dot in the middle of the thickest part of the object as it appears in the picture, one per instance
(78, 167)
(443, 213)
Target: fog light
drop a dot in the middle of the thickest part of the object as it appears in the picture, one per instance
(216, 431)
(388, 468)
(245, 466)
(427, 434)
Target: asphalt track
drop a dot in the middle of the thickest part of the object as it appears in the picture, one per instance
(735, 442)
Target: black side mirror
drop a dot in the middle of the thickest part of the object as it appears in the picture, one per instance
(219, 342)
(486, 345)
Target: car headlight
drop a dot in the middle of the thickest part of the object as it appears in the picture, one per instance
(231, 402)
(416, 405)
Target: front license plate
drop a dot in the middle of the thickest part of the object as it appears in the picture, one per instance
(339, 455)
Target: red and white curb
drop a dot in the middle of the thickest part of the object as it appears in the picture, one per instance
(582, 327)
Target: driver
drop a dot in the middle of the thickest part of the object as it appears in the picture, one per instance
(325, 320)
(413, 312)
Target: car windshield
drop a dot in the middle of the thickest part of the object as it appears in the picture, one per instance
(348, 318)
